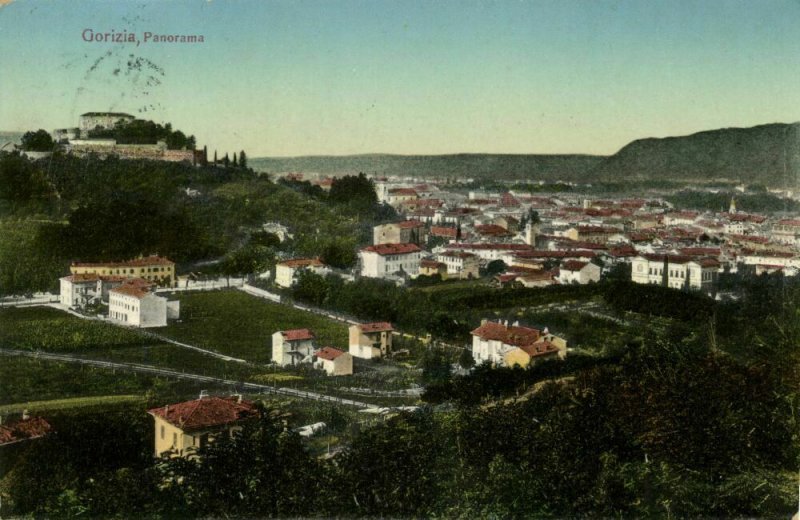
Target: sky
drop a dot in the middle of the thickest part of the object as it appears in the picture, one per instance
(289, 78)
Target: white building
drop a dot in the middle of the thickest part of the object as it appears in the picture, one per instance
(334, 362)
(493, 341)
(78, 290)
(286, 271)
(786, 231)
(681, 271)
(460, 264)
(134, 303)
(292, 347)
(576, 272)
(388, 259)
(102, 120)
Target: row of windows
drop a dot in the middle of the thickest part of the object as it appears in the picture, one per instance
(121, 316)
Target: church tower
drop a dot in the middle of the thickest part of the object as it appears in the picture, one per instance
(732, 209)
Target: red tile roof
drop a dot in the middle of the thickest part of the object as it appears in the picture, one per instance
(509, 200)
(392, 249)
(136, 262)
(402, 191)
(295, 263)
(205, 413)
(457, 254)
(82, 278)
(541, 348)
(492, 230)
(23, 429)
(379, 326)
(328, 353)
(573, 265)
(516, 336)
(408, 224)
(131, 290)
(483, 246)
(431, 264)
(297, 334)
(443, 231)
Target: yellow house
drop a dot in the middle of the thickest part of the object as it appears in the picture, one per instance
(184, 427)
(152, 268)
(530, 354)
(370, 340)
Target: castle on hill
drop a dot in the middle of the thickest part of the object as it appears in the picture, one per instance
(78, 141)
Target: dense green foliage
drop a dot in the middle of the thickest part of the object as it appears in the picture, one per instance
(38, 141)
(140, 131)
(764, 154)
(667, 430)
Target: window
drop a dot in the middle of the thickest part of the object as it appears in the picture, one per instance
(162, 431)
(174, 440)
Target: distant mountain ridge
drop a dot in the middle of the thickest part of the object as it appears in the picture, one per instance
(766, 154)
(460, 166)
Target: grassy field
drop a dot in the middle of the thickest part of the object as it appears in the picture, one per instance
(241, 325)
(26, 379)
(51, 330)
(39, 407)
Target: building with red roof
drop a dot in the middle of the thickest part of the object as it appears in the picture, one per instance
(293, 347)
(334, 362)
(286, 271)
(182, 428)
(494, 342)
(371, 340)
(134, 302)
(388, 260)
(154, 268)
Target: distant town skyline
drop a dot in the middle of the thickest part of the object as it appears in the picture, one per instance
(413, 77)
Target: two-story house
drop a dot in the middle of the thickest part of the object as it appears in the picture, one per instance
(370, 340)
(292, 347)
(385, 260)
(182, 428)
(286, 271)
(135, 303)
(460, 264)
(498, 343)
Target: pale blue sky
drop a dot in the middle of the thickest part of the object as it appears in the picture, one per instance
(339, 77)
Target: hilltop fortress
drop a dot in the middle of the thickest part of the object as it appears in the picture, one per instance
(79, 141)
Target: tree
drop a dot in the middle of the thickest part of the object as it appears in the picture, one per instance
(494, 267)
(235, 160)
(242, 159)
(665, 272)
(465, 359)
(38, 141)
(215, 157)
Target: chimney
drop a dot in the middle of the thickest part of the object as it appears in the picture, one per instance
(25, 415)
(166, 410)
(505, 324)
(515, 324)
(203, 393)
(484, 321)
